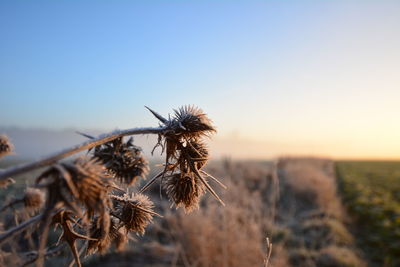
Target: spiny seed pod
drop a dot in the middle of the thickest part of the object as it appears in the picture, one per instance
(124, 160)
(34, 199)
(91, 182)
(6, 182)
(103, 233)
(135, 212)
(182, 143)
(5, 146)
(185, 190)
(83, 180)
(192, 122)
(188, 122)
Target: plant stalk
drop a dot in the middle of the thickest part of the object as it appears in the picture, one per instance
(104, 138)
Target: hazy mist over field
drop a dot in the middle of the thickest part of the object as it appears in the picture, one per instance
(32, 143)
(37, 142)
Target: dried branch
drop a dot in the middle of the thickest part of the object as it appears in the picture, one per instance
(19, 228)
(49, 253)
(268, 254)
(4, 174)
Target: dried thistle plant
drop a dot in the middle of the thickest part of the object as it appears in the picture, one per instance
(103, 232)
(83, 181)
(6, 182)
(135, 212)
(5, 145)
(185, 189)
(34, 199)
(123, 160)
(81, 191)
(186, 155)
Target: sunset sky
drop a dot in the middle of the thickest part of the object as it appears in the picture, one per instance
(300, 77)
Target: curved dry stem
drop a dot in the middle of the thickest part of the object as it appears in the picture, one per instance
(19, 228)
(146, 186)
(46, 221)
(75, 149)
(11, 204)
(49, 253)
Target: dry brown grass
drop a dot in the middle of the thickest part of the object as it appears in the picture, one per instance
(235, 235)
(298, 208)
(312, 212)
(312, 184)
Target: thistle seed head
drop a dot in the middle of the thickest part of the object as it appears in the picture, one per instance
(185, 190)
(192, 122)
(6, 182)
(186, 155)
(5, 146)
(103, 230)
(83, 181)
(123, 160)
(91, 182)
(135, 212)
(34, 199)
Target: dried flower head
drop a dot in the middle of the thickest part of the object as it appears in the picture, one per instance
(188, 122)
(124, 160)
(83, 180)
(186, 155)
(34, 199)
(104, 232)
(135, 212)
(185, 190)
(6, 182)
(192, 122)
(5, 146)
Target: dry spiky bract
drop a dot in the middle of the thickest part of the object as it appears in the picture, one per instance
(124, 160)
(34, 199)
(135, 212)
(66, 220)
(5, 146)
(185, 190)
(103, 231)
(192, 122)
(104, 235)
(83, 181)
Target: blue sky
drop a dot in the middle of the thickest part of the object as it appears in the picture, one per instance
(320, 74)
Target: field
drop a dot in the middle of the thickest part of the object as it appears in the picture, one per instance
(295, 202)
(371, 191)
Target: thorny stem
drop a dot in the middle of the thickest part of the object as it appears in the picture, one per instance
(49, 253)
(78, 148)
(45, 227)
(19, 228)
